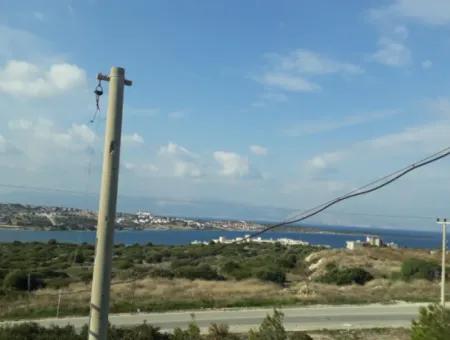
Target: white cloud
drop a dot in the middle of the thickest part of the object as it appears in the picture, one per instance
(173, 149)
(392, 53)
(426, 64)
(83, 133)
(421, 136)
(289, 83)
(133, 139)
(177, 114)
(141, 168)
(324, 164)
(2, 144)
(432, 12)
(308, 62)
(181, 161)
(232, 164)
(309, 127)
(21, 78)
(292, 71)
(258, 150)
(439, 106)
(16, 43)
(186, 169)
(19, 124)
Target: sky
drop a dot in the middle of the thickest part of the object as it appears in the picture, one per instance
(260, 104)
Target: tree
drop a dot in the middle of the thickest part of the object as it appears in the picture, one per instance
(420, 269)
(272, 329)
(220, 332)
(192, 333)
(18, 280)
(433, 324)
(276, 276)
(345, 276)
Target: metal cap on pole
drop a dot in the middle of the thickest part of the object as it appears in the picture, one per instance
(101, 281)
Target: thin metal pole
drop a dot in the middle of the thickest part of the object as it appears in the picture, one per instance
(59, 303)
(101, 281)
(444, 250)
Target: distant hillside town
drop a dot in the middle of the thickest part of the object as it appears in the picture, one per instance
(59, 218)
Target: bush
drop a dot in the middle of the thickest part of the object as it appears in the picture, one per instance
(220, 332)
(79, 258)
(18, 280)
(345, 276)
(192, 333)
(161, 272)
(124, 264)
(433, 324)
(276, 276)
(420, 269)
(272, 329)
(203, 271)
(52, 242)
(33, 331)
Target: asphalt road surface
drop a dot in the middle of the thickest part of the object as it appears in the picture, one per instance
(242, 320)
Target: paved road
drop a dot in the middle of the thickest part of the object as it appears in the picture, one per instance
(241, 320)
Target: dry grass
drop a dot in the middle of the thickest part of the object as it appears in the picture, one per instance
(197, 289)
(380, 262)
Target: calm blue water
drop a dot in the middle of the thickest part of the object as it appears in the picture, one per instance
(404, 238)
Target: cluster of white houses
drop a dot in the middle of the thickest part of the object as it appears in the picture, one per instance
(371, 241)
(248, 239)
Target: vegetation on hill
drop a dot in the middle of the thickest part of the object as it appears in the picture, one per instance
(199, 276)
(345, 276)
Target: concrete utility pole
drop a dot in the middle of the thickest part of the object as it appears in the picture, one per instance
(444, 251)
(101, 281)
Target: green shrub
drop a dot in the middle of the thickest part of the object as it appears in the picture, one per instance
(161, 272)
(345, 276)
(192, 333)
(18, 280)
(272, 329)
(220, 332)
(203, 271)
(33, 331)
(276, 276)
(79, 258)
(230, 266)
(420, 269)
(433, 324)
(288, 261)
(124, 264)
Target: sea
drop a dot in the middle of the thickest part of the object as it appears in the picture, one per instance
(334, 237)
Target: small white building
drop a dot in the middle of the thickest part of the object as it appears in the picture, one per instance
(374, 241)
(352, 245)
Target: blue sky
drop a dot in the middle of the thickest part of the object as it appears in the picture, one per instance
(263, 103)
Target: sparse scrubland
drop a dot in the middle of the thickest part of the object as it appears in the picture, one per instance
(271, 328)
(156, 278)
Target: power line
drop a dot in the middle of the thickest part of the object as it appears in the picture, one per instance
(44, 189)
(447, 149)
(364, 190)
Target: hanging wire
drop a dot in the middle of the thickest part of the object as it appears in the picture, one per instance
(98, 92)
